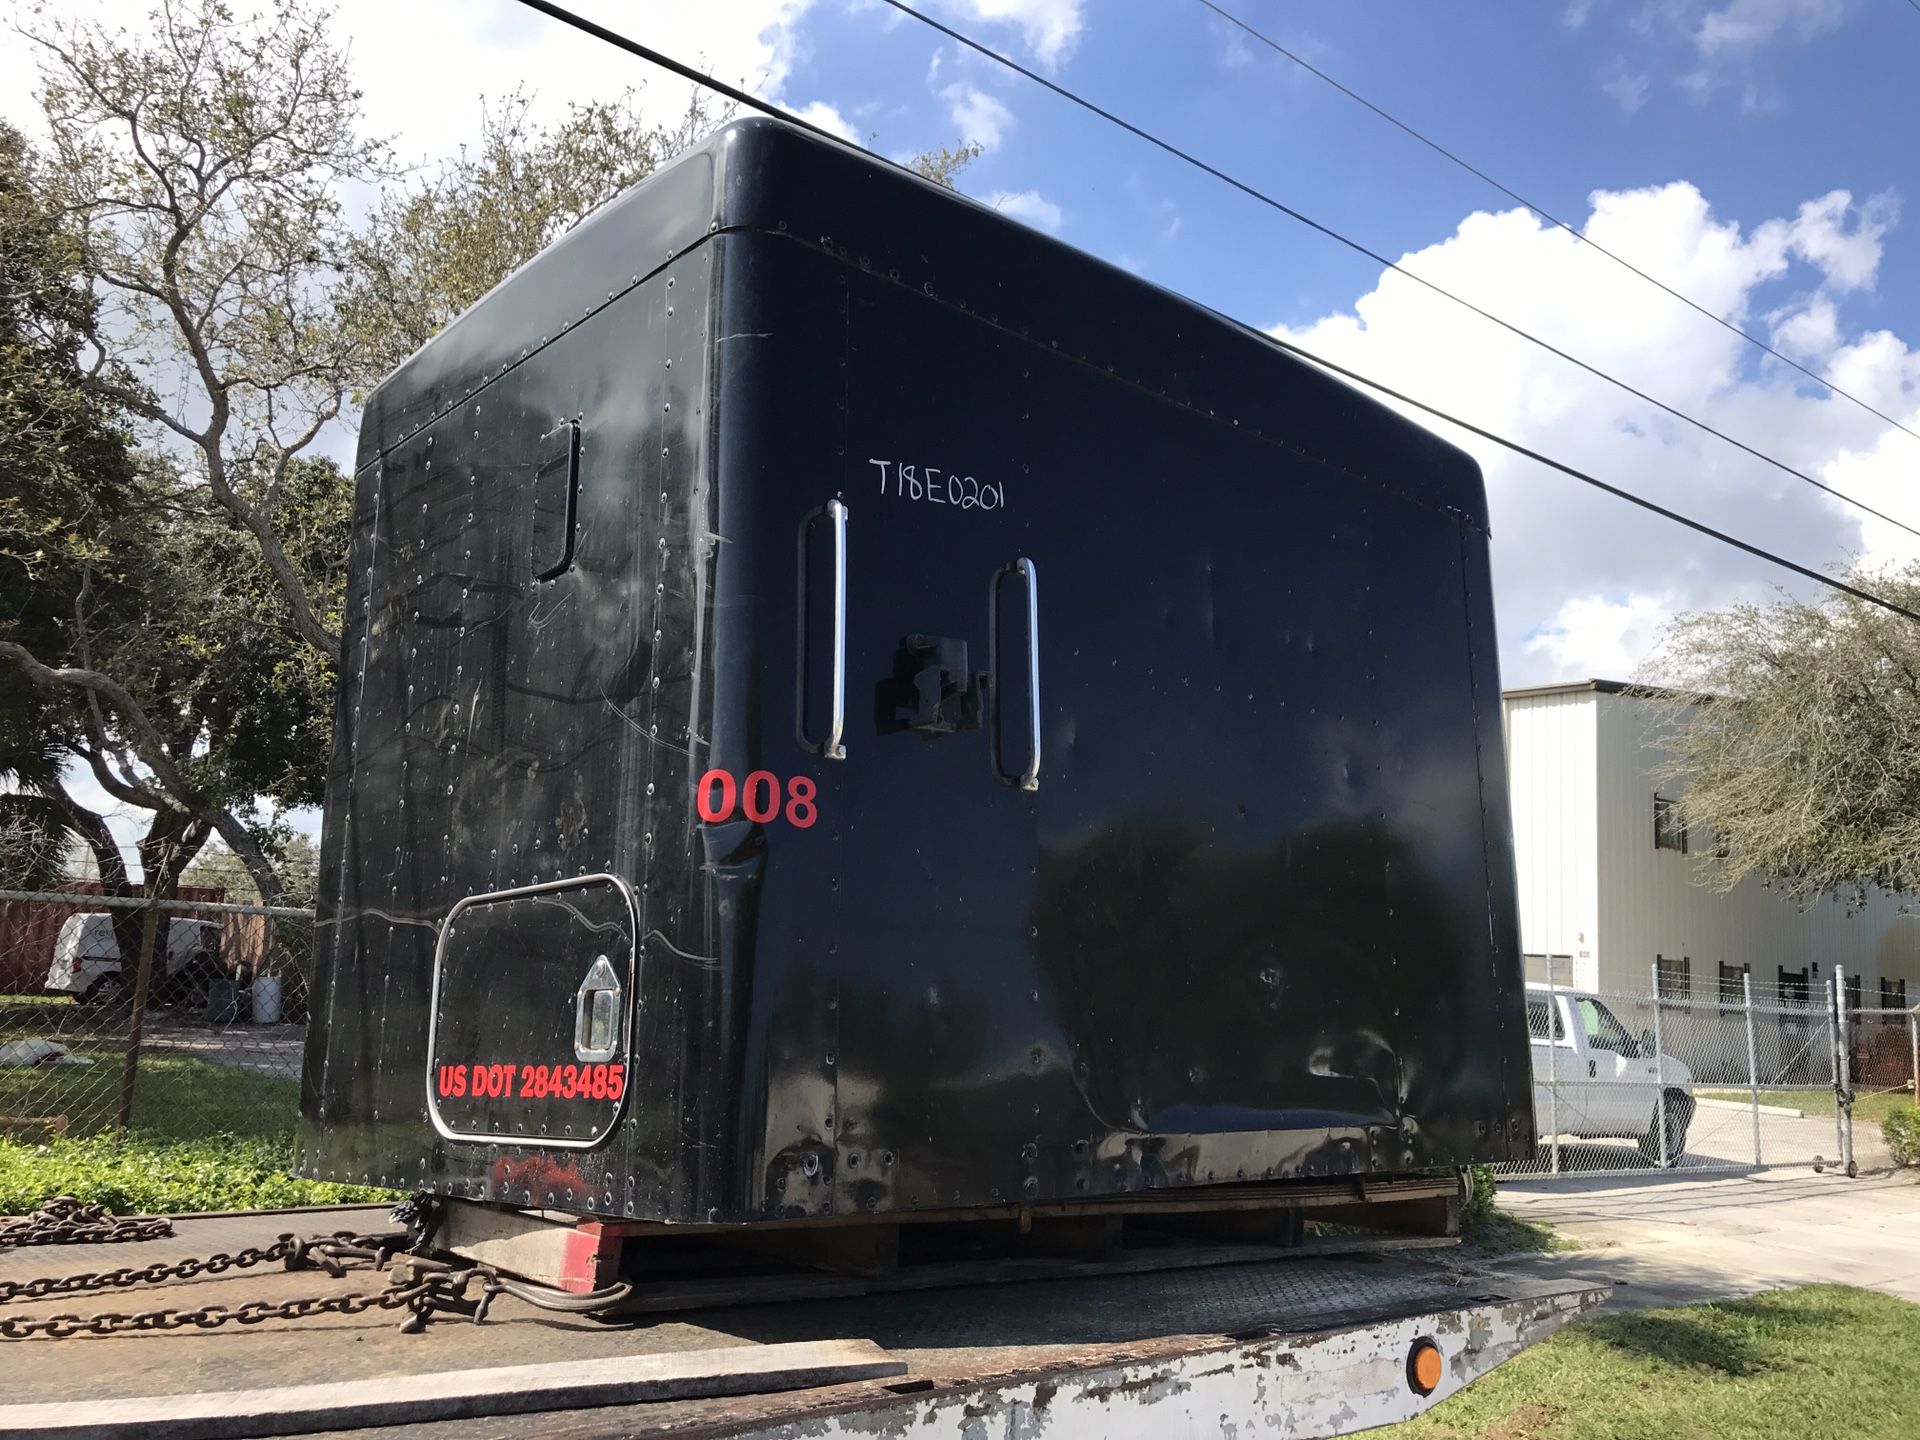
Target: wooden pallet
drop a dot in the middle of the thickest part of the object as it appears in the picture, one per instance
(675, 1266)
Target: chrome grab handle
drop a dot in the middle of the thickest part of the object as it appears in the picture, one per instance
(1024, 567)
(835, 511)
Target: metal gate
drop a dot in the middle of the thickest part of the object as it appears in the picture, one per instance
(1743, 1077)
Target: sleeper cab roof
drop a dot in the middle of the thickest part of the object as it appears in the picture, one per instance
(764, 176)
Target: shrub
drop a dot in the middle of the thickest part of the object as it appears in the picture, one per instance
(1479, 1207)
(143, 1174)
(1901, 1130)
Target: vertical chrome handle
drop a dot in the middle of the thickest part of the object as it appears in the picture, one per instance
(835, 511)
(1030, 779)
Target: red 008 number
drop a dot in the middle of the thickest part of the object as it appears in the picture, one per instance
(758, 797)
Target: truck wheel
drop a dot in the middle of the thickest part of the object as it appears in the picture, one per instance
(1673, 1114)
(110, 996)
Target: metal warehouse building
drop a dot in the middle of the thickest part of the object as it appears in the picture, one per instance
(1608, 892)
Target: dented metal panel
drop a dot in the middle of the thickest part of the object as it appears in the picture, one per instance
(1167, 842)
(1328, 1383)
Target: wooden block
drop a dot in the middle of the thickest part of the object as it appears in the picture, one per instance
(1434, 1215)
(1276, 1225)
(859, 1250)
(457, 1394)
(1073, 1237)
(47, 1124)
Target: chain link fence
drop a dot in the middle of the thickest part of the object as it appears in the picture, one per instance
(1624, 1081)
(211, 1043)
(1747, 1077)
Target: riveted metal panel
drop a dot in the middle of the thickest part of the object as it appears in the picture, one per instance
(1169, 845)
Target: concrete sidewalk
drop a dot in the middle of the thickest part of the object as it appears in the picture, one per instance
(1680, 1239)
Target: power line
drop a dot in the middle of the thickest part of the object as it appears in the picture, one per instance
(754, 102)
(1581, 475)
(1359, 249)
(1548, 215)
(685, 72)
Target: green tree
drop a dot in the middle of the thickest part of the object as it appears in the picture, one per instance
(199, 167)
(1794, 729)
(218, 295)
(435, 247)
(65, 475)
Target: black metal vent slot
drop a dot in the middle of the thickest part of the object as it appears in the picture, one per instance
(556, 490)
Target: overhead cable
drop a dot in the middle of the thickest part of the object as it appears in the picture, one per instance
(1548, 216)
(754, 102)
(1360, 249)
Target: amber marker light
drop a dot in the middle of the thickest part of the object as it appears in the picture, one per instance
(1423, 1367)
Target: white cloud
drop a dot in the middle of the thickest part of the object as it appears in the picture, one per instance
(1051, 28)
(829, 119)
(1706, 48)
(429, 109)
(1742, 26)
(1582, 580)
(979, 115)
(1842, 239)
(1628, 90)
(1591, 636)
(1029, 206)
(1808, 332)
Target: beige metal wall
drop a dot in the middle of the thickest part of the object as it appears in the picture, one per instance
(1653, 902)
(1552, 777)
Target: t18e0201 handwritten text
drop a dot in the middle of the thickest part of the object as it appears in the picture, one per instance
(931, 485)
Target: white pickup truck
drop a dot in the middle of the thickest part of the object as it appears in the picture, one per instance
(1611, 1083)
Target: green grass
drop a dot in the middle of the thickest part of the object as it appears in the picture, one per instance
(57, 1017)
(203, 1137)
(174, 1097)
(1826, 1362)
(1874, 1106)
(1502, 1234)
(142, 1173)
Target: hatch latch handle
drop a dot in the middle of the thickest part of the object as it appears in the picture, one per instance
(599, 1023)
(1029, 779)
(836, 512)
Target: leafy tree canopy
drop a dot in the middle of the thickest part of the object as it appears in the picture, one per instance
(189, 307)
(1796, 735)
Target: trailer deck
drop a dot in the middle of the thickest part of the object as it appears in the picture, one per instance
(1210, 1340)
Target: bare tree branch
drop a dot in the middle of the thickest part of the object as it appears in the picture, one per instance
(152, 752)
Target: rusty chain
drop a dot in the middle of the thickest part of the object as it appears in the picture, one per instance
(67, 1221)
(64, 1220)
(420, 1293)
(421, 1286)
(334, 1251)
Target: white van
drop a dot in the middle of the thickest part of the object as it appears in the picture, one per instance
(87, 962)
(1611, 1083)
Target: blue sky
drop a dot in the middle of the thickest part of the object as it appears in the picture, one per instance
(1524, 91)
(1756, 154)
(1756, 108)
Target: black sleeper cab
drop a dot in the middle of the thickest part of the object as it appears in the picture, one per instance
(850, 705)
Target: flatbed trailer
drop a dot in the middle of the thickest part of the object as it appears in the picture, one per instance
(1209, 1339)
(888, 1003)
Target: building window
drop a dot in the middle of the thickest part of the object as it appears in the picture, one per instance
(1549, 969)
(1893, 994)
(1793, 987)
(1733, 990)
(1668, 832)
(1674, 976)
(1853, 994)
